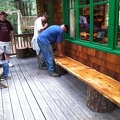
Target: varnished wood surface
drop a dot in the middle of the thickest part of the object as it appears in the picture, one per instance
(107, 86)
(34, 95)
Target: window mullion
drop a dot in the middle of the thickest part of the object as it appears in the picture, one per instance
(77, 19)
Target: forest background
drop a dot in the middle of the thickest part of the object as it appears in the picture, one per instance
(26, 7)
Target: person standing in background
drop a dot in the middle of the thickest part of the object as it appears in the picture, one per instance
(39, 25)
(6, 29)
(83, 20)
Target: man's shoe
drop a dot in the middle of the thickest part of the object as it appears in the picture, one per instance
(3, 77)
(10, 65)
(43, 68)
(54, 74)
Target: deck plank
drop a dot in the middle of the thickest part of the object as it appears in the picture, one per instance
(6, 106)
(55, 109)
(25, 107)
(34, 95)
(29, 95)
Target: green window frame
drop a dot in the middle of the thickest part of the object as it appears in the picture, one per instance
(112, 21)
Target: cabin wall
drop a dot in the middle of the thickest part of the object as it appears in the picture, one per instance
(103, 62)
(40, 7)
(57, 12)
(106, 63)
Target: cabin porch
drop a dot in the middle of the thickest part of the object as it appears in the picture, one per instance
(34, 95)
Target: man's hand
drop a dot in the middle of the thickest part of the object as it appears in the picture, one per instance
(61, 55)
(13, 41)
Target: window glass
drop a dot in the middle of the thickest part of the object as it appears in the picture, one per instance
(84, 2)
(71, 3)
(100, 24)
(84, 19)
(72, 23)
(118, 40)
(94, 15)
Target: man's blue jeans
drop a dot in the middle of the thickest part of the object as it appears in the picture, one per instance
(5, 68)
(48, 56)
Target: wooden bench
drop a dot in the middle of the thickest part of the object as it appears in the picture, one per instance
(1, 71)
(103, 91)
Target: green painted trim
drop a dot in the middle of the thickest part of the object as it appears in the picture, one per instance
(65, 13)
(77, 19)
(48, 7)
(116, 24)
(112, 26)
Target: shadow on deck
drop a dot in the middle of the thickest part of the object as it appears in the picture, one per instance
(34, 95)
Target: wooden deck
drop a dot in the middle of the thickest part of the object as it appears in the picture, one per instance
(34, 95)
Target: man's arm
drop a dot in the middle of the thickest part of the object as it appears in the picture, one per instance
(45, 26)
(59, 46)
(12, 35)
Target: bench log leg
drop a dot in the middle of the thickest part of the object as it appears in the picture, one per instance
(32, 53)
(97, 102)
(60, 70)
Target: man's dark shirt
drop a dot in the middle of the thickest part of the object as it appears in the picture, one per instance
(5, 28)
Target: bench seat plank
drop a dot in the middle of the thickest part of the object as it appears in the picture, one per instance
(107, 86)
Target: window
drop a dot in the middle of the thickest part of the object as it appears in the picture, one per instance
(92, 24)
(72, 18)
(118, 24)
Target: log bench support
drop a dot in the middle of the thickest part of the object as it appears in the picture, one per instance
(103, 91)
(60, 70)
(97, 102)
(31, 52)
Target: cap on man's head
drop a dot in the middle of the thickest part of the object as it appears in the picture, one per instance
(67, 27)
(3, 13)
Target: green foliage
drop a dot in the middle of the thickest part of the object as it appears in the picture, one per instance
(7, 5)
(27, 8)
(13, 19)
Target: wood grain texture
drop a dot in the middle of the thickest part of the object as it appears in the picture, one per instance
(34, 95)
(107, 86)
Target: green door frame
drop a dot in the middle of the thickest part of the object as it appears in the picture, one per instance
(48, 8)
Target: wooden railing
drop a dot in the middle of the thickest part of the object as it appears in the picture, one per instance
(28, 22)
(22, 40)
